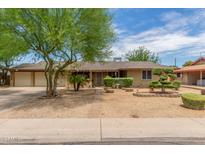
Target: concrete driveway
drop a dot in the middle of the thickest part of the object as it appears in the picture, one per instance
(11, 97)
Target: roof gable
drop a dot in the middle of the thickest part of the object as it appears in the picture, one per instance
(199, 61)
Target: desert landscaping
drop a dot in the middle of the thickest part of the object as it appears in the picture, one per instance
(94, 103)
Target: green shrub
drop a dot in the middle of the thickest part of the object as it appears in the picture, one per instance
(193, 101)
(109, 81)
(166, 79)
(77, 80)
(157, 71)
(172, 76)
(165, 82)
(163, 77)
(124, 82)
(168, 71)
(155, 84)
(176, 84)
(170, 86)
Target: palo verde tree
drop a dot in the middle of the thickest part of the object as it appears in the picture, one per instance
(142, 54)
(11, 50)
(62, 36)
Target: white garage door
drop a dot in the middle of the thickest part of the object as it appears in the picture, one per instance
(40, 80)
(61, 80)
(23, 79)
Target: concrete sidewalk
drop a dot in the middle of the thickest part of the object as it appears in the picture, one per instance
(103, 131)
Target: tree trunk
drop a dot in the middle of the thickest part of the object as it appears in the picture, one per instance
(163, 90)
(78, 86)
(50, 79)
(4, 76)
(52, 75)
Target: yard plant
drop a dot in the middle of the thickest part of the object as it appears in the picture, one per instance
(77, 80)
(123, 82)
(12, 50)
(193, 101)
(167, 79)
(61, 37)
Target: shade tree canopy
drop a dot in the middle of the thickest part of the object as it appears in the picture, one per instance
(62, 36)
(12, 49)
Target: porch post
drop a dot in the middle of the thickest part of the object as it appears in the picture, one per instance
(201, 76)
(91, 79)
(14, 79)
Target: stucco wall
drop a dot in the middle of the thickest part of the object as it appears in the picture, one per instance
(193, 77)
(23, 79)
(184, 78)
(138, 81)
(190, 78)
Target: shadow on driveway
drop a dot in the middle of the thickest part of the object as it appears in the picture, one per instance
(14, 97)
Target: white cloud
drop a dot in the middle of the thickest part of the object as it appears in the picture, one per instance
(118, 30)
(172, 37)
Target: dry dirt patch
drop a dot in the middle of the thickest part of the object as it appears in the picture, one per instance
(92, 103)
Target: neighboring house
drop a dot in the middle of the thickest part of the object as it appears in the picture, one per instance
(33, 74)
(193, 74)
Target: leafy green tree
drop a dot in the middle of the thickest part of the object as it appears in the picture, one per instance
(142, 54)
(62, 36)
(187, 63)
(11, 50)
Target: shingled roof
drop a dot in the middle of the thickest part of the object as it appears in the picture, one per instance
(94, 66)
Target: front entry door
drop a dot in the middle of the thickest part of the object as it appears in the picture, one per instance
(98, 79)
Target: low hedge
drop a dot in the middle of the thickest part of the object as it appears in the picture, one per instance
(193, 101)
(108, 81)
(124, 82)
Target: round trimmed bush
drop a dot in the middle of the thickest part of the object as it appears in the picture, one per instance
(176, 84)
(155, 84)
(168, 70)
(172, 76)
(163, 77)
(193, 101)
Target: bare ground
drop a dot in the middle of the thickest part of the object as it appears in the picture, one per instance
(92, 103)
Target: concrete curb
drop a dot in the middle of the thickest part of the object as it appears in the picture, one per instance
(103, 131)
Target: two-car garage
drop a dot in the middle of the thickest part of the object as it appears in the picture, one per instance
(32, 79)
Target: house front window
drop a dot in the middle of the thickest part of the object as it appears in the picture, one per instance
(146, 74)
(178, 75)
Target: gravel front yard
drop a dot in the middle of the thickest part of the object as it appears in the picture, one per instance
(93, 103)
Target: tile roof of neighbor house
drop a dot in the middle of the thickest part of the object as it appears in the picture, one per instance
(93, 66)
(191, 68)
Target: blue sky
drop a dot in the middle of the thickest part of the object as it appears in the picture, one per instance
(172, 33)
